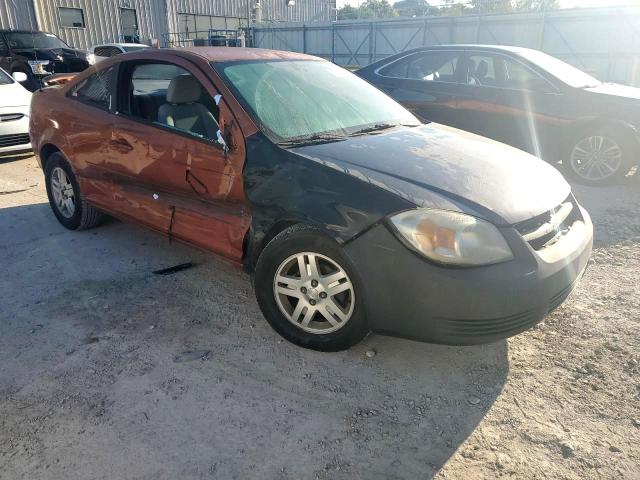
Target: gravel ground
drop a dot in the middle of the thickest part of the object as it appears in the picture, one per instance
(95, 382)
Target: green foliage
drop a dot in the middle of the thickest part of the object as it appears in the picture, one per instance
(412, 8)
(368, 10)
(419, 8)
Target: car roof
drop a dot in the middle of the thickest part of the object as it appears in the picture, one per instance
(229, 54)
(11, 30)
(120, 45)
(464, 46)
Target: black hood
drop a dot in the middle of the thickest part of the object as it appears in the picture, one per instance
(503, 184)
(52, 54)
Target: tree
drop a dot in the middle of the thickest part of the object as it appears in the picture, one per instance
(347, 13)
(369, 9)
(499, 6)
(536, 5)
(491, 6)
(377, 9)
(412, 8)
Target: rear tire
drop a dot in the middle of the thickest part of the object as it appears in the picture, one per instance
(65, 197)
(600, 156)
(322, 308)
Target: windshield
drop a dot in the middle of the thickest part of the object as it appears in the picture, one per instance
(34, 40)
(563, 71)
(5, 78)
(297, 99)
(134, 49)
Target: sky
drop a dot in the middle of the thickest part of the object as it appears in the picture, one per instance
(564, 3)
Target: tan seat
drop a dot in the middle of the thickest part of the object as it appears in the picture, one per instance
(182, 110)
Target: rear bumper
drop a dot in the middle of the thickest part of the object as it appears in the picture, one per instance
(407, 296)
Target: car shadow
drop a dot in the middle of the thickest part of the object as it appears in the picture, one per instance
(12, 157)
(613, 209)
(387, 408)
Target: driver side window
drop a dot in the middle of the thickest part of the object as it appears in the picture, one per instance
(168, 95)
(429, 66)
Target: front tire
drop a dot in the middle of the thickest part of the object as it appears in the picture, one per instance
(600, 157)
(65, 197)
(309, 292)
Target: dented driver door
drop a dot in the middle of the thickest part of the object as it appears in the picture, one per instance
(194, 185)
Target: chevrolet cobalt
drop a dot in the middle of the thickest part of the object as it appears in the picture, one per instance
(351, 214)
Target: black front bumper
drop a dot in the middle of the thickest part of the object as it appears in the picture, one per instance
(406, 295)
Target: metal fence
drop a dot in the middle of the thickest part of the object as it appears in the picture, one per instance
(602, 41)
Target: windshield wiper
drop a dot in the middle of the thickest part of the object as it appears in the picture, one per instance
(373, 128)
(312, 140)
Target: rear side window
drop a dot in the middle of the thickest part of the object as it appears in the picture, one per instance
(96, 89)
(483, 71)
(430, 66)
(518, 76)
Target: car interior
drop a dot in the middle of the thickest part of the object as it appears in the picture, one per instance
(169, 95)
(479, 70)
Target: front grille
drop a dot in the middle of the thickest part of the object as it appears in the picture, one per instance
(10, 117)
(13, 140)
(546, 229)
(69, 66)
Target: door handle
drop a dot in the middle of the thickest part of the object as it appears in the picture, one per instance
(121, 145)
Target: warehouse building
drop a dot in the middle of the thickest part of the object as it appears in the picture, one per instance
(82, 23)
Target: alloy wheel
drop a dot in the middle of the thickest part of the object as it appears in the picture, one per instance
(596, 158)
(63, 194)
(314, 293)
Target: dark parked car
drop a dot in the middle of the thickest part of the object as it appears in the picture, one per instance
(38, 55)
(521, 97)
(352, 215)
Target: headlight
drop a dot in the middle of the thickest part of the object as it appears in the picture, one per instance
(452, 238)
(37, 66)
(91, 58)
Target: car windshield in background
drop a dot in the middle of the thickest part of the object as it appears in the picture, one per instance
(134, 49)
(5, 78)
(34, 40)
(310, 99)
(567, 73)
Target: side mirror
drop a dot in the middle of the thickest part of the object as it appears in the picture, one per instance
(20, 77)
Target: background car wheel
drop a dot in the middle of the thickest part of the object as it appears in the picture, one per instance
(308, 291)
(600, 157)
(66, 199)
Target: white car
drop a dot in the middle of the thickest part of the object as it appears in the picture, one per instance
(15, 109)
(107, 50)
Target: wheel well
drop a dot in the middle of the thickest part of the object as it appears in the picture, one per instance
(596, 124)
(45, 152)
(255, 243)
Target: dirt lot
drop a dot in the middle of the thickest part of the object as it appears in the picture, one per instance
(94, 383)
